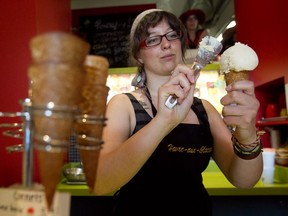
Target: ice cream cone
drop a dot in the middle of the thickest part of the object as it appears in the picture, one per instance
(51, 164)
(94, 100)
(237, 61)
(57, 83)
(89, 144)
(56, 78)
(96, 68)
(90, 162)
(233, 76)
(59, 47)
(95, 91)
(91, 130)
(89, 150)
(93, 104)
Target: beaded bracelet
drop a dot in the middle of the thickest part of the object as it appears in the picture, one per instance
(250, 151)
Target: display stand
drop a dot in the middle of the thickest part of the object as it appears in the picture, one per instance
(26, 128)
(9, 199)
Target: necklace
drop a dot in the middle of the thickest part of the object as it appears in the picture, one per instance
(148, 95)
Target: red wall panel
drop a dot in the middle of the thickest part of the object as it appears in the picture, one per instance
(20, 21)
(262, 25)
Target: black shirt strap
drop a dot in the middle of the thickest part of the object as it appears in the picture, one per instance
(148, 95)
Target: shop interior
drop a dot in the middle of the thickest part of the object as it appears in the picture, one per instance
(270, 79)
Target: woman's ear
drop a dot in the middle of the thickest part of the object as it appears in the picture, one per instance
(139, 59)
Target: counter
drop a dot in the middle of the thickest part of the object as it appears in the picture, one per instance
(263, 199)
(214, 181)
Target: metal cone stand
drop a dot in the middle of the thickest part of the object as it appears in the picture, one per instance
(26, 132)
(27, 146)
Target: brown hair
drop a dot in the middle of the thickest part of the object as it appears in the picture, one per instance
(151, 20)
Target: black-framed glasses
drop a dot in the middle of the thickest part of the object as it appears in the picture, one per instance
(156, 40)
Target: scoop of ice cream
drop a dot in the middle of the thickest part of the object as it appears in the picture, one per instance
(239, 57)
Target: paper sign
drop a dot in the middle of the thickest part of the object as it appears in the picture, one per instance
(23, 202)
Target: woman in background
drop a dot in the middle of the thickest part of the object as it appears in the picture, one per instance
(153, 156)
(193, 19)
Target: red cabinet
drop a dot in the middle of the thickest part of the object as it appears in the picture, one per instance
(272, 92)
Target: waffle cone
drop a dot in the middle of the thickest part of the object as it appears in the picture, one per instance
(96, 68)
(56, 128)
(60, 83)
(57, 76)
(51, 165)
(89, 159)
(89, 150)
(95, 91)
(94, 100)
(91, 130)
(233, 76)
(59, 47)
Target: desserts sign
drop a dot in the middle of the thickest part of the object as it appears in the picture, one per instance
(20, 202)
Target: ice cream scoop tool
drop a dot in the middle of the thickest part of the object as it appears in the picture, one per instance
(209, 48)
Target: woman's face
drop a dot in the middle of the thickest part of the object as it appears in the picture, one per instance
(191, 22)
(161, 58)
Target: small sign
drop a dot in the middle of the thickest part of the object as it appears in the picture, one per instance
(23, 202)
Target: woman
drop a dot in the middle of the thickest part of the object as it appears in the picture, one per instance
(193, 19)
(155, 155)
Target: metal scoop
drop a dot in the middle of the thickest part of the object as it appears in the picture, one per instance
(209, 48)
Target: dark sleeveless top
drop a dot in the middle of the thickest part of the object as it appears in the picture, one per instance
(194, 44)
(170, 182)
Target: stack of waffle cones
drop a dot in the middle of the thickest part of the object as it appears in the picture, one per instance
(89, 125)
(56, 78)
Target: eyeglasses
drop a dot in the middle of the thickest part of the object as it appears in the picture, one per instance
(156, 40)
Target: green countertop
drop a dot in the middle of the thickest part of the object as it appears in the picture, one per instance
(215, 183)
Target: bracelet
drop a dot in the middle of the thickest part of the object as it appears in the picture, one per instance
(250, 151)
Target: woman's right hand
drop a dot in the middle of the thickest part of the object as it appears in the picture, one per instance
(181, 85)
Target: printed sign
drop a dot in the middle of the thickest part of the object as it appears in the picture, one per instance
(21, 202)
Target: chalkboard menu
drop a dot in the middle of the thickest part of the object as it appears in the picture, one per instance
(108, 36)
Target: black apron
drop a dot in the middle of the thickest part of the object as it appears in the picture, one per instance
(170, 182)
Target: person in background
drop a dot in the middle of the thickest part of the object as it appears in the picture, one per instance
(154, 156)
(229, 38)
(193, 19)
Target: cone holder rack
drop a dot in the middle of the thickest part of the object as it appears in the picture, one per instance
(25, 131)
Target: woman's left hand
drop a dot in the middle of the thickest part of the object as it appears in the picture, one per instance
(240, 109)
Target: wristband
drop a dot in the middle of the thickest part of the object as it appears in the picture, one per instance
(249, 151)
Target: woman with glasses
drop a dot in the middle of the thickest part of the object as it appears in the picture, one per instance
(153, 156)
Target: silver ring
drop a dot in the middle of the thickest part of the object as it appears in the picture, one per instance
(14, 133)
(89, 147)
(50, 141)
(90, 139)
(11, 125)
(12, 114)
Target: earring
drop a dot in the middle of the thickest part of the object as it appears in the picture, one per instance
(139, 78)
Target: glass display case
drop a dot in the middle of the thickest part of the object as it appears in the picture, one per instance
(210, 84)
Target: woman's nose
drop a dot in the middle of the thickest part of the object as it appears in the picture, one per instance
(165, 43)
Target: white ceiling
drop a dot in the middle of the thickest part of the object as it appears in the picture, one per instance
(219, 13)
